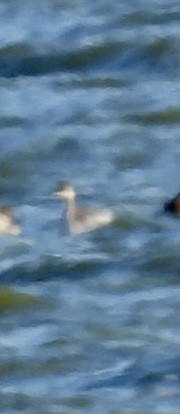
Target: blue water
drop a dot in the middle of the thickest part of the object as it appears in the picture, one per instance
(89, 93)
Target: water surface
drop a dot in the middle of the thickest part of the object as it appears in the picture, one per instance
(89, 93)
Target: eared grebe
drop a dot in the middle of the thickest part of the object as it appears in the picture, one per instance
(173, 205)
(7, 222)
(82, 219)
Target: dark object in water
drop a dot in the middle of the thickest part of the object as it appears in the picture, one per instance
(173, 206)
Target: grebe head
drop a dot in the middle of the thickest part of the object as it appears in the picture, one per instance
(173, 206)
(65, 191)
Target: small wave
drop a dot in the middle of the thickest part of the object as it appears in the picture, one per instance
(169, 116)
(143, 17)
(10, 299)
(153, 53)
(32, 64)
(12, 121)
(102, 82)
(53, 268)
